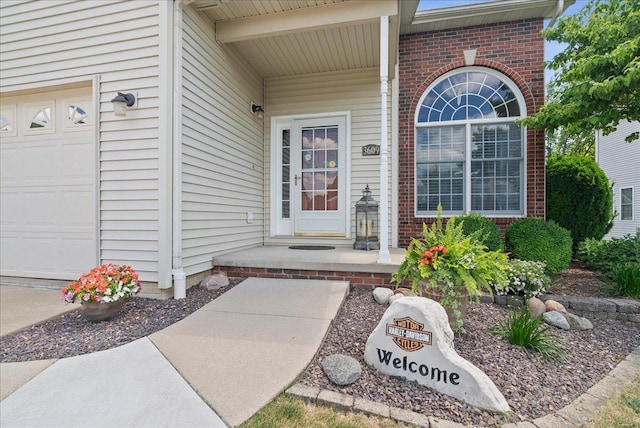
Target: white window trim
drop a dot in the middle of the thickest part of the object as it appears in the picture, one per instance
(632, 203)
(468, 123)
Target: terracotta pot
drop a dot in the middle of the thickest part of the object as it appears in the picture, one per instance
(101, 311)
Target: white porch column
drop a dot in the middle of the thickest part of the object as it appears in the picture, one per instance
(383, 255)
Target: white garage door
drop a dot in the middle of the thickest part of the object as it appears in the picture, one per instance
(48, 185)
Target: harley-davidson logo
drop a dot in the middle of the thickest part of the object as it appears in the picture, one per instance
(408, 334)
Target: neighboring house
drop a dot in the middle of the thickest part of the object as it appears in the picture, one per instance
(195, 170)
(620, 161)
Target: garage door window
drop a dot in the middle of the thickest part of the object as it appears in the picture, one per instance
(8, 121)
(77, 116)
(40, 118)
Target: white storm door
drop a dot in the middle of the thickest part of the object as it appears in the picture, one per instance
(319, 167)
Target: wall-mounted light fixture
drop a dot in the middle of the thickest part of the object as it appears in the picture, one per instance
(258, 110)
(121, 102)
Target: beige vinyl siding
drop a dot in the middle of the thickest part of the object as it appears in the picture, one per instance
(48, 43)
(355, 91)
(620, 161)
(222, 149)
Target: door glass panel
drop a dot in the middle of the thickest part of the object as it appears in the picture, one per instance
(319, 168)
(286, 172)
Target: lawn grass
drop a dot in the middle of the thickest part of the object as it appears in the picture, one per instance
(622, 411)
(287, 411)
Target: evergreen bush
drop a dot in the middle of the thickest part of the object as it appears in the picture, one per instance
(489, 232)
(538, 240)
(579, 197)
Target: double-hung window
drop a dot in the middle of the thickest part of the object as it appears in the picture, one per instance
(626, 203)
(469, 150)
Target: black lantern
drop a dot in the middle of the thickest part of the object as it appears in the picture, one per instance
(366, 222)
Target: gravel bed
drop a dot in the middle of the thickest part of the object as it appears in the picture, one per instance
(71, 334)
(533, 386)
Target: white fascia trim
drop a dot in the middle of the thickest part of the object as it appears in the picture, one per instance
(473, 10)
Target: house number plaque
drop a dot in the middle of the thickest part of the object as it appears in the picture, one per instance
(371, 150)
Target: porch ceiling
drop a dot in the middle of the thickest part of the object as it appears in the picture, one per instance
(293, 37)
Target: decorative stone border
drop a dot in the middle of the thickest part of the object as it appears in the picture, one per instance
(578, 413)
(588, 307)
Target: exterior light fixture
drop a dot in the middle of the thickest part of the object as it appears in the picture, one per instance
(121, 102)
(366, 222)
(258, 110)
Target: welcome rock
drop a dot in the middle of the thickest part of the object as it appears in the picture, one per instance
(414, 341)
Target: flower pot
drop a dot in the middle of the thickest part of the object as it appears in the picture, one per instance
(437, 295)
(101, 311)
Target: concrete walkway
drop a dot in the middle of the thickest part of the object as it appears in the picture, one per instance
(215, 368)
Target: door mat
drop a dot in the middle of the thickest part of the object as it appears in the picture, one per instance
(311, 247)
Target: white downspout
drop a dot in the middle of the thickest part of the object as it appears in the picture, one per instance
(559, 10)
(179, 276)
(383, 255)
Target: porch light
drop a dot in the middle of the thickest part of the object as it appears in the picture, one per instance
(121, 102)
(257, 110)
(366, 222)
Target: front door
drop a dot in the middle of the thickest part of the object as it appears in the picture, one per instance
(312, 188)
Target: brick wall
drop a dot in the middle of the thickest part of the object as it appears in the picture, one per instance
(360, 280)
(515, 49)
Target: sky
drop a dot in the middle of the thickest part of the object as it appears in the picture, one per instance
(551, 48)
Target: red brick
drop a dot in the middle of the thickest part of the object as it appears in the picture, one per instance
(515, 49)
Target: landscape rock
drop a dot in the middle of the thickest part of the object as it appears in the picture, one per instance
(382, 295)
(404, 291)
(536, 307)
(576, 322)
(341, 369)
(556, 319)
(552, 305)
(395, 297)
(213, 282)
(414, 341)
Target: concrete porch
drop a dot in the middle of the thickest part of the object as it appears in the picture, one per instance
(358, 267)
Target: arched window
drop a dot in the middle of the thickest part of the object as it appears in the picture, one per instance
(469, 152)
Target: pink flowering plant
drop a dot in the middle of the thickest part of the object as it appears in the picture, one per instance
(107, 283)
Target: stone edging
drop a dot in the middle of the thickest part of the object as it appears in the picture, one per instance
(587, 307)
(578, 413)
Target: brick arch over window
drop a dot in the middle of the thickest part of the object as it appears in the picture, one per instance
(514, 49)
(520, 82)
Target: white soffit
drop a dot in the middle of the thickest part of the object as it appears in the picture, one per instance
(293, 37)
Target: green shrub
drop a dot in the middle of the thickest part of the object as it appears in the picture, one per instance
(521, 329)
(605, 256)
(489, 231)
(579, 197)
(542, 241)
(626, 280)
(525, 278)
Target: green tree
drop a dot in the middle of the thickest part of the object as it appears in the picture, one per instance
(560, 142)
(597, 83)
